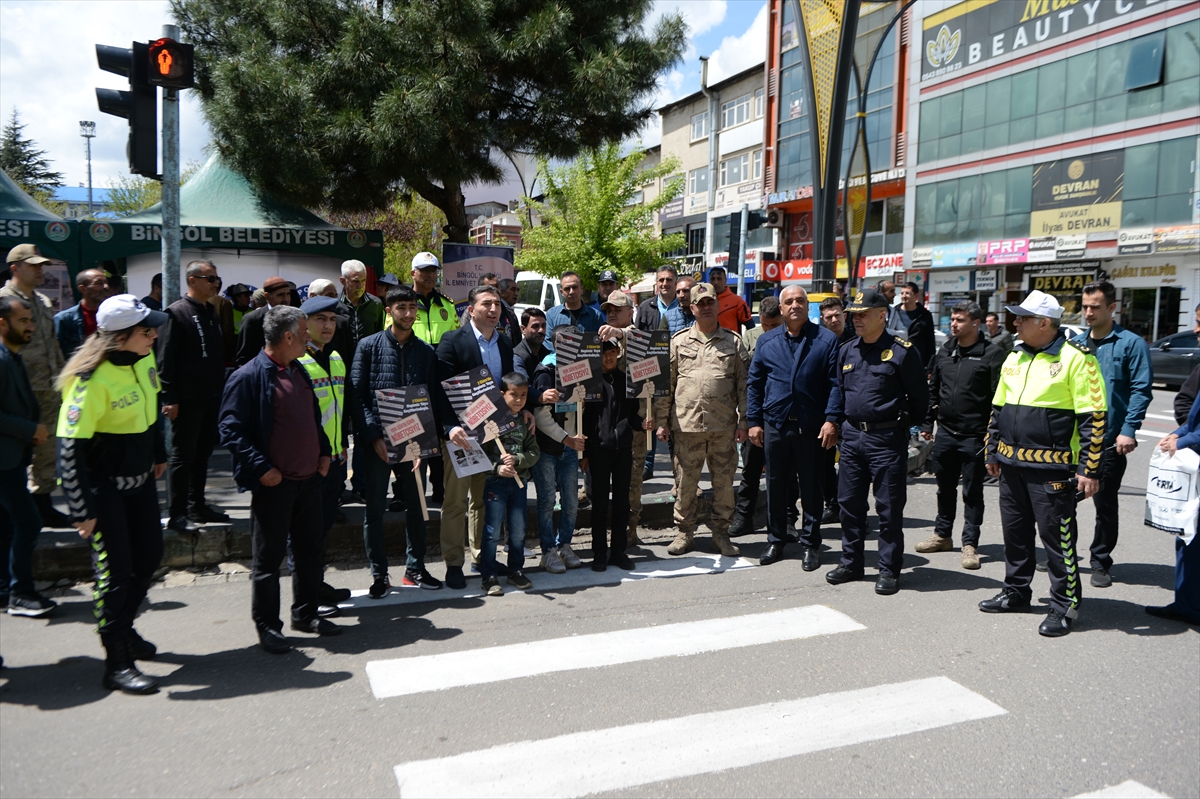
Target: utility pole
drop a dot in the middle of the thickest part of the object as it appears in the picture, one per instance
(741, 252)
(170, 185)
(88, 131)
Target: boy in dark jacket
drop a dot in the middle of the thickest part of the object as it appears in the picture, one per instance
(608, 427)
(504, 498)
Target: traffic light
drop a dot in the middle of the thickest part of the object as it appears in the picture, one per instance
(756, 219)
(139, 105)
(171, 64)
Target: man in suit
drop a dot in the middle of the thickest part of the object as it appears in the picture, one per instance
(20, 432)
(477, 343)
(250, 339)
(793, 419)
(78, 322)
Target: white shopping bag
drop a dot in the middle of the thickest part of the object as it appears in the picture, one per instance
(1172, 493)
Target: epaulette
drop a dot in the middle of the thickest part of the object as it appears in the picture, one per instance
(680, 333)
(902, 342)
(1081, 347)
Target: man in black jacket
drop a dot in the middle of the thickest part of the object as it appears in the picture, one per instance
(250, 339)
(650, 312)
(191, 365)
(965, 373)
(532, 347)
(917, 322)
(477, 343)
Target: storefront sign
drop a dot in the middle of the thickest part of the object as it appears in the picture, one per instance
(672, 210)
(951, 280)
(955, 255)
(918, 276)
(1184, 238)
(987, 279)
(770, 271)
(1069, 247)
(976, 31)
(1006, 251)
(1077, 195)
(1041, 250)
(922, 257)
(1061, 284)
(794, 271)
(883, 265)
(1135, 242)
(1129, 275)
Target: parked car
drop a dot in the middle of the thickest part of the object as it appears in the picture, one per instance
(1173, 357)
(537, 292)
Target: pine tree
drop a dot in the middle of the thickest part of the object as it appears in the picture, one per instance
(24, 163)
(345, 105)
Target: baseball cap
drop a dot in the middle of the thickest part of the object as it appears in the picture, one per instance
(124, 311)
(607, 275)
(389, 280)
(702, 291)
(1038, 303)
(618, 299)
(27, 253)
(274, 282)
(867, 299)
(425, 260)
(318, 304)
(609, 344)
(237, 288)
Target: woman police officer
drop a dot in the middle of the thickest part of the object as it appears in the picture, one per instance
(111, 451)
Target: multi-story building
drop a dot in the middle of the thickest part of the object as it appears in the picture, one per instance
(76, 200)
(1057, 143)
(717, 135)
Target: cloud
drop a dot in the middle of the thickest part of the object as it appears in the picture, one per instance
(738, 53)
(53, 87)
(701, 16)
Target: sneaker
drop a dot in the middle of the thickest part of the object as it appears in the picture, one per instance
(1007, 601)
(419, 578)
(455, 578)
(32, 604)
(492, 586)
(332, 596)
(1101, 578)
(518, 579)
(970, 557)
(380, 588)
(1056, 625)
(328, 611)
(551, 561)
(569, 558)
(830, 515)
(621, 561)
(935, 543)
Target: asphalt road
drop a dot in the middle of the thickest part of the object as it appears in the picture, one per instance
(696, 676)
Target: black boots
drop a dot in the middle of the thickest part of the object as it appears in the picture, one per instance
(120, 673)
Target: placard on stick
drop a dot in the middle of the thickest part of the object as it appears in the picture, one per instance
(578, 357)
(406, 414)
(475, 397)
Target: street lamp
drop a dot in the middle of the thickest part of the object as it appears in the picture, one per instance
(88, 131)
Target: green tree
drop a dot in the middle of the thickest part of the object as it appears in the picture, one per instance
(593, 218)
(345, 105)
(25, 163)
(409, 225)
(130, 194)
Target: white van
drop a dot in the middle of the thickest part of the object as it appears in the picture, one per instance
(537, 292)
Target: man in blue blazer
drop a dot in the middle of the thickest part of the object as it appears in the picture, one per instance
(792, 407)
(78, 322)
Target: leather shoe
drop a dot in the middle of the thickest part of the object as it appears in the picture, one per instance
(886, 585)
(140, 648)
(182, 524)
(328, 611)
(318, 625)
(273, 642)
(207, 513)
(332, 596)
(843, 574)
(772, 554)
(455, 578)
(740, 526)
(811, 559)
(1007, 601)
(829, 516)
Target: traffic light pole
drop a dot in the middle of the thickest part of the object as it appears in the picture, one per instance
(170, 187)
(741, 256)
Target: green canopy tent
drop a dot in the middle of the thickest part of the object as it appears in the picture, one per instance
(24, 221)
(249, 236)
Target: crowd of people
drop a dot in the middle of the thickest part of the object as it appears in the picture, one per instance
(825, 411)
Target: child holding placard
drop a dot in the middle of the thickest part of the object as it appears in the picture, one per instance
(506, 491)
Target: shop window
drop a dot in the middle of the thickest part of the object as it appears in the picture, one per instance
(1145, 65)
(699, 126)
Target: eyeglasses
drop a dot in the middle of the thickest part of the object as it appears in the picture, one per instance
(209, 278)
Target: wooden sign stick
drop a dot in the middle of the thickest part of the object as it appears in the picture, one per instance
(577, 397)
(493, 431)
(648, 393)
(411, 453)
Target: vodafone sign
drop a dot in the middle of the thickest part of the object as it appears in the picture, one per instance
(770, 271)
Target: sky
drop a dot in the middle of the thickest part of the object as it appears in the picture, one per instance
(53, 88)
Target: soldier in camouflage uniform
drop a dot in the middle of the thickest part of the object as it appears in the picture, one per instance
(43, 360)
(707, 402)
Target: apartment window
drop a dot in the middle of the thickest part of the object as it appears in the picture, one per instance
(1145, 61)
(735, 170)
(759, 101)
(699, 126)
(758, 164)
(735, 112)
(698, 181)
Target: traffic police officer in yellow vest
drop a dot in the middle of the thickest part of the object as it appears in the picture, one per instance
(435, 311)
(327, 370)
(1044, 442)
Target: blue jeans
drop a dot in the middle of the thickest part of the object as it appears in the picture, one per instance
(561, 473)
(503, 501)
(376, 476)
(20, 524)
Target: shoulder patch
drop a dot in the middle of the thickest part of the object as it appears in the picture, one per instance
(1081, 347)
(681, 332)
(902, 342)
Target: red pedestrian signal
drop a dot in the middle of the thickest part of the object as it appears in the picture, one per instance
(171, 64)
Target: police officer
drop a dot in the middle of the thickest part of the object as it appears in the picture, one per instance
(111, 455)
(1048, 423)
(707, 402)
(435, 318)
(965, 373)
(883, 393)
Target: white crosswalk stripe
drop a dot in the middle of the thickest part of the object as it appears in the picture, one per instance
(638, 754)
(1129, 789)
(493, 664)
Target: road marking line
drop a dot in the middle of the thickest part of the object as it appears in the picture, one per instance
(619, 758)
(414, 675)
(544, 582)
(1164, 417)
(1126, 790)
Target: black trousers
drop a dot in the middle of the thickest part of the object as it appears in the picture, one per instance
(127, 548)
(293, 506)
(1042, 501)
(611, 471)
(193, 436)
(795, 459)
(873, 461)
(1104, 539)
(754, 461)
(830, 477)
(953, 457)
